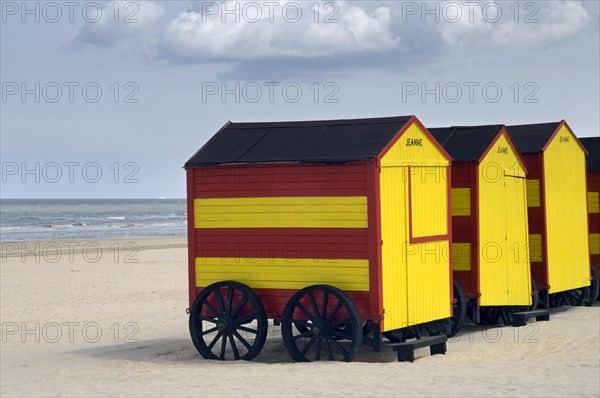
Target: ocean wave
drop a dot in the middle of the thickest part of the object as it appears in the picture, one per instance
(116, 218)
(60, 226)
(123, 225)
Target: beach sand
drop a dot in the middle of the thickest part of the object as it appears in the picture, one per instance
(110, 320)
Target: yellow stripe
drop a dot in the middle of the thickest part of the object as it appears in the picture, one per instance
(593, 202)
(461, 256)
(284, 273)
(594, 243)
(461, 201)
(533, 193)
(535, 248)
(282, 212)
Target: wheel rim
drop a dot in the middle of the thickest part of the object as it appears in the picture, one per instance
(459, 309)
(321, 323)
(573, 298)
(228, 321)
(492, 316)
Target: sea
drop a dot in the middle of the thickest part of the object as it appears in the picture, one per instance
(55, 219)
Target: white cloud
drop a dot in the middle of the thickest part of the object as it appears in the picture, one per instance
(215, 35)
(121, 21)
(537, 25)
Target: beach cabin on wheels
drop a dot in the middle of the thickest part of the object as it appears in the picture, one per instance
(336, 230)
(592, 145)
(557, 211)
(490, 242)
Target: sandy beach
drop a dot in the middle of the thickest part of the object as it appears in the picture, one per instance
(108, 318)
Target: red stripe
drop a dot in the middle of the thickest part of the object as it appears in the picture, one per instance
(593, 181)
(534, 215)
(538, 271)
(461, 175)
(594, 220)
(283, 243)
(281, 180)
(595, 260)
(461, 229)
(464, 279)
(533, 166)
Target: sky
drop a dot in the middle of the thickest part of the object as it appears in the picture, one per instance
(109, 99)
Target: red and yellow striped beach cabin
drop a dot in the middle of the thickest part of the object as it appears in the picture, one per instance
(322, 226)
(557, 211)
(592, 145)
(489, 222)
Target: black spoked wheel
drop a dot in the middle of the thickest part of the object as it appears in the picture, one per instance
(493, 316)
(594, 289)
(573, 298)
(503, 315)
(321, 322)
(228, 321)
(459, 310)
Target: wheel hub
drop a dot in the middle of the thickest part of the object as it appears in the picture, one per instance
(224, 324)
(319, 328)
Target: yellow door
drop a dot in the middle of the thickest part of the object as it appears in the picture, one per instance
(518, 274)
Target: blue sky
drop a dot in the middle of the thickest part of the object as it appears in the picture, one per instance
(109, 99)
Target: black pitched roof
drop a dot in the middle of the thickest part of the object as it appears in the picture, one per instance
(466, 143)
(592, 145)
(325, 141)
(532, 138)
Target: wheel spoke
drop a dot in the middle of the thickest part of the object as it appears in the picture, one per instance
(236, 353)
(318, 350)
(245, 319)
(313, 303)
(242, 340)
(335, 310)
(338, 345)
(303, 309)
(223, 345)
(325, 303)
(229, 299)
(217, 337)
(239, 307)
(220, 301)
(207, 319)
(210, 307)
(207, 331)
(299, 323)
(308, 345)
(306, 333)
(245, 329)
(328, 348)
